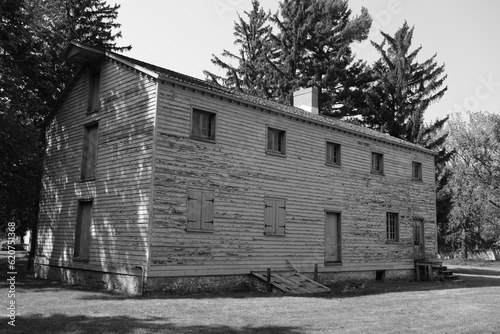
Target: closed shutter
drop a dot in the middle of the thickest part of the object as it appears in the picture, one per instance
(194, 210)
(96, 88)
(274, 216)
(207, 210)
(269, 215)
(93, 135)
(280, 216)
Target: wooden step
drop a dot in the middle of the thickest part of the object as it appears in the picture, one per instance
(292, 282)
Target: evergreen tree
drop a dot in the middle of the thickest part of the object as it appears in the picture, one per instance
(404, 88)
(311, 48)
(33, 35)
(251, 75)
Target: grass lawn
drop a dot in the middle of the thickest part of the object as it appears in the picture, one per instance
(392, 307)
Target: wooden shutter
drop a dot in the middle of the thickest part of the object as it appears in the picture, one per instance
(207, 210)
(194, 210)
(82, 233)
(274, 216)
(96, 87)
(93, 134)
(269, 216)
(280, 210)
(89, 152)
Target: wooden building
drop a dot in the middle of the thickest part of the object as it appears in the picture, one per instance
(157, 180)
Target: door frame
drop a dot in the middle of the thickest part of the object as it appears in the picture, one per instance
(339, 238)
(418, 249)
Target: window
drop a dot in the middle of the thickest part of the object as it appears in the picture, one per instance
(82, 231)
(89, 152)
(377, 163)
(200, 210)
(203, 125)
(274, 216)
(332, 154)
(94, 92)
(276, 141)
(417, 170)
(392, 226)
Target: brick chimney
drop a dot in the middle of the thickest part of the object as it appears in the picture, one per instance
(307, 99)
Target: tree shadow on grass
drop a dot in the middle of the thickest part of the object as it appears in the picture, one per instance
(61, 323)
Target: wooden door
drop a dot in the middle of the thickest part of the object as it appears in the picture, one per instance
(418, 239)
(332, 237)
(82, 235)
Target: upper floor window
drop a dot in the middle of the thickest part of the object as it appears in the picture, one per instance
(89, 152)
(332, 154)
(203, 125)
(94, 91)
(276, 141)
(417, 170)
(377, 163)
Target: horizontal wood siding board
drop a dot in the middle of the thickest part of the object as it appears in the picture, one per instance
(242, 175)
(121, 189)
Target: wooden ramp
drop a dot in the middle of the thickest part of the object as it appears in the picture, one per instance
(292, 282)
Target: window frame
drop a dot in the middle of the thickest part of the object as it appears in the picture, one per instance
(281, 133)
(380, 170)
(273, 216)
(211, 127)
(336, 147)
(84, 166)
(419, 171)
(200, 206)
(79, 235)
(94, 99)
(392, 233)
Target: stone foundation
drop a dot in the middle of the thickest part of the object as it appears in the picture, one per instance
(372, 275)
(131, 285)
(204, 284)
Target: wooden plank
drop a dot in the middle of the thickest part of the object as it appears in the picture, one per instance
(292, 282)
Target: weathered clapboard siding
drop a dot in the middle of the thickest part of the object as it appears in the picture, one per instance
(241, 174)
(121, 190)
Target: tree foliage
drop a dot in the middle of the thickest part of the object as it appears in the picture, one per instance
(251, 75)
(310, 47)
(33, 35)
(403, 89)
(475, 181)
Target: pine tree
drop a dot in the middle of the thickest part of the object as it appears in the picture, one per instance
(251, 73)
(311, 47)
(404, 88)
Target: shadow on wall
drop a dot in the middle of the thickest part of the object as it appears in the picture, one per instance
(120, 191)
(61, 323)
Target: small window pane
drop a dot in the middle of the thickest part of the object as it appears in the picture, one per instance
(417, 170)
(276, 140)
(377, 162)
(203, 124)
(333, 153)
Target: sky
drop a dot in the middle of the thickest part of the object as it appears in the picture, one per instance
(465, 36)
